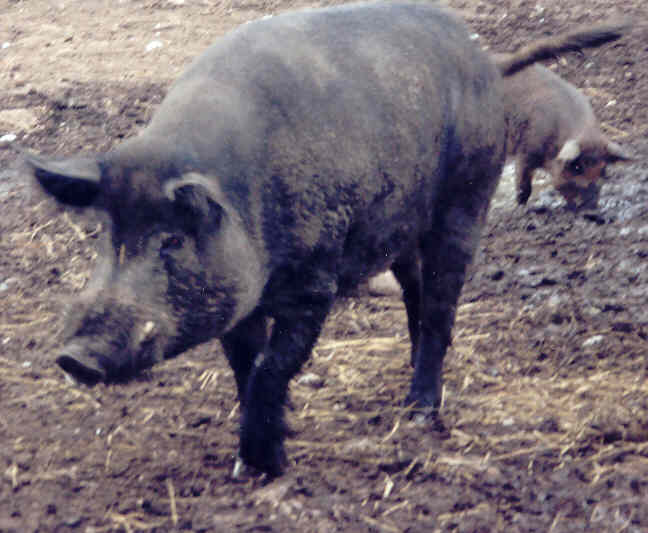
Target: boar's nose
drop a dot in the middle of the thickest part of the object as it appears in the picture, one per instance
(85, 368)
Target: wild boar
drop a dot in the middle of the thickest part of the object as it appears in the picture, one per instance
(296, 157)
(553, 127)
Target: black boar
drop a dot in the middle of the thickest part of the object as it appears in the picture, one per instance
(296, 157)
(552, 126)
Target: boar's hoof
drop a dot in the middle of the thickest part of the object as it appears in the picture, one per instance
(426, 404)
(269, 461)
(82, 367)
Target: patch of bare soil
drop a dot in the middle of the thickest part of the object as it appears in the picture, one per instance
(545, 409)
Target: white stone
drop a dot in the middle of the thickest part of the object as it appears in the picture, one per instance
(593, 341)
(153, 45)
(311, 380)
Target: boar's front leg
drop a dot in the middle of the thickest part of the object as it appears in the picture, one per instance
(242, 345)
(294, 333)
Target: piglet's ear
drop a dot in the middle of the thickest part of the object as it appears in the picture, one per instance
(570, 151)
(195, 206)
(617, 154)
(72, 181)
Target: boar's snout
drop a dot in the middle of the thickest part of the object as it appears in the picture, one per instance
(111, 341)
(83, 366)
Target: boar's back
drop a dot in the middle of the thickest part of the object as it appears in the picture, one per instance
(333, 132)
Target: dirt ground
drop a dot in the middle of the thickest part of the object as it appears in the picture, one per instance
(546, 397)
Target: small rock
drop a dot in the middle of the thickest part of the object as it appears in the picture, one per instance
(555, 301)
(153, 45)
(311, 380)
(625, 231)
(8, 138)
(593, 341)
(74, 521)
(591, 310)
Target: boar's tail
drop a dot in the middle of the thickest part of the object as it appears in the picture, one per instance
(550, 47)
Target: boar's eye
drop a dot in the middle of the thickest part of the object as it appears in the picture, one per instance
(173, 242)
(575, 167)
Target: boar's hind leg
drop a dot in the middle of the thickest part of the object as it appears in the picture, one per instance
(242, 345)
(407, 271)
(294, 334)
(446, 252)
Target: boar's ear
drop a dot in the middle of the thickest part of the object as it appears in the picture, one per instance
(195, 205)
(616, 154)
(73, 181)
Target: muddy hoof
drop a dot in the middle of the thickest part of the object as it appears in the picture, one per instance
(426, 404)
(83, 368)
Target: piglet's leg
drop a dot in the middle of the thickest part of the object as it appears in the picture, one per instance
(524, 170)
(294, 334)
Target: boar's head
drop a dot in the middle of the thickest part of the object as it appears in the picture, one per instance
(580, 167)
(177, 268)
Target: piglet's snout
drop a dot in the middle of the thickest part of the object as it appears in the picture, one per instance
(581, 198)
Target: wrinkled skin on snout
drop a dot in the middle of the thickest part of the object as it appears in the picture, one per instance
(552, 127)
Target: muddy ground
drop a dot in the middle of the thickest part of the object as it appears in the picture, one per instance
(546, 396)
